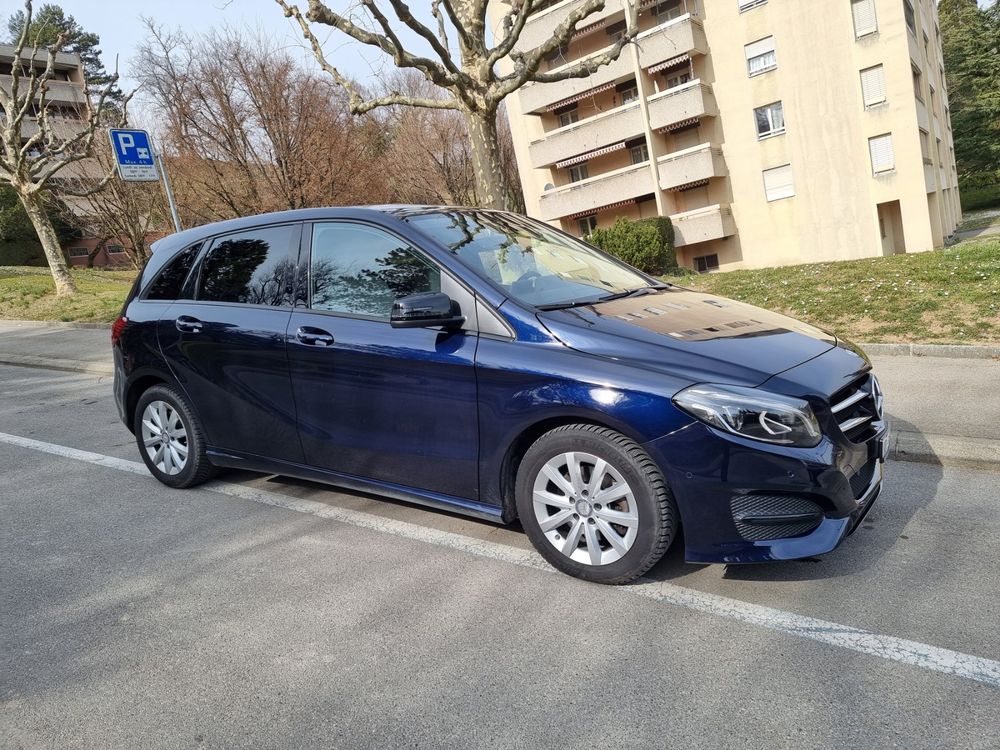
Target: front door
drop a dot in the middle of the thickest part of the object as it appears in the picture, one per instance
(393, 405)
(226, 346)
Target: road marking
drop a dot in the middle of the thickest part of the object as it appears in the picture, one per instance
(914, 653)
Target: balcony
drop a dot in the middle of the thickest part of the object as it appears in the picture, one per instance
(535, 97)
(679, 36)
(58, 92)
(702, 225)
(596, 192)
(595, 132)
(688, 101)
(690, 165)
(541, 26)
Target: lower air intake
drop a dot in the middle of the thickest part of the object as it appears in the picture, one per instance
(761, 517)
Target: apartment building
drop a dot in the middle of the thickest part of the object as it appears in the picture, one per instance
(770, 131)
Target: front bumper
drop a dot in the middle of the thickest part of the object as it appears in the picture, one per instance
(710, 471)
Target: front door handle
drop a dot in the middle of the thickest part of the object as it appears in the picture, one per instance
(187, 324)
(314, 336)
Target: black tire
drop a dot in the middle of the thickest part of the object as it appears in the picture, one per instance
(658, 518)
(196, 468)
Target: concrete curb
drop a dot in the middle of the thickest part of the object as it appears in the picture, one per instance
(953, 351)
(54, 324)
(54, 363)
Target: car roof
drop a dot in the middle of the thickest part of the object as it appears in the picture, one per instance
(398, 211)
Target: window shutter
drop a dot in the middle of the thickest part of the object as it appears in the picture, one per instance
(864, 17)
(778, 183)
(883, 158)
(760, 47)
(873, 85)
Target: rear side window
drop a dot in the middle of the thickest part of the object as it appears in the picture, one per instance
(256, 267)
(169, 284)
(361, 270)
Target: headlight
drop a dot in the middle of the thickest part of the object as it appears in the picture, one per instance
(752, 413)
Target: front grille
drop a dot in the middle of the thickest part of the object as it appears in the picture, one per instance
(760, 517)
(862, 478)
(856, 407)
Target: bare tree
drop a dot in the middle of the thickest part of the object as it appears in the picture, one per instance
(39, 147)
(247, 130)
(472, 78)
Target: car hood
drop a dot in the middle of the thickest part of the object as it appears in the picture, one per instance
(690, 335)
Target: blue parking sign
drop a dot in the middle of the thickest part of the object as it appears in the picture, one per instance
(134, 155)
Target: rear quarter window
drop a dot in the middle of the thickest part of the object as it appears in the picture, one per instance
(169, 283)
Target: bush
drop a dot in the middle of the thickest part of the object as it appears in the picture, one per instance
(647, 244)
(979, 197)
(21, 252)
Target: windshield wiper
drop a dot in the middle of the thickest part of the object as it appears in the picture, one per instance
(606, 298)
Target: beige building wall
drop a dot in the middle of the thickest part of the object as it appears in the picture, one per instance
(684, 92)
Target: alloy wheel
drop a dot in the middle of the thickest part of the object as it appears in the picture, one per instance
(585, 508)
(164, 437)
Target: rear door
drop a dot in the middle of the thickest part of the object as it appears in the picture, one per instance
(394, 405)
(226, 346)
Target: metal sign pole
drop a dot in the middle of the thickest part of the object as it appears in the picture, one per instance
(166, 187)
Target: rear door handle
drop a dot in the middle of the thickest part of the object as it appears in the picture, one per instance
(188, 324)
(314, 336)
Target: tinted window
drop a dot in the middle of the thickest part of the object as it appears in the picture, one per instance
(255, 267)
(362, 270)
(170, 282)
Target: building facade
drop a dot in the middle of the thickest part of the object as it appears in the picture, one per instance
(770, 131)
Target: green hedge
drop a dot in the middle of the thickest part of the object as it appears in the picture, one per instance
(21, 252)
(979, 197)
(647, 244)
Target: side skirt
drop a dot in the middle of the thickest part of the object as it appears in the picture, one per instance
(450, 503)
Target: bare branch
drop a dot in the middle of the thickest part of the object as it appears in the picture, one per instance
(404, 14)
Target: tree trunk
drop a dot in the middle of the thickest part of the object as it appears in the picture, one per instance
(35, 208)
(491, 184)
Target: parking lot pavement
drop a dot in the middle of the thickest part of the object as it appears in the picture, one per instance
(265, 612)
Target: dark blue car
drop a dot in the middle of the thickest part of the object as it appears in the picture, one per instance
(482, 362)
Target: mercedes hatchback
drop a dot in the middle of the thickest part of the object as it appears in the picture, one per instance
(481, 362)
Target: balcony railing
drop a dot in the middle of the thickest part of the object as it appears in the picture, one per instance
(691, 165)
(596, 192)
(535, 97)
(587, 135)
(57, 92)
(678, 36)
(702, 225)
(541, 26)
(688, 101)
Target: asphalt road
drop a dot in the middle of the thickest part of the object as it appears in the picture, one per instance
(270, 613)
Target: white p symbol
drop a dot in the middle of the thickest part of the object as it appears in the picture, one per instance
(125, 142)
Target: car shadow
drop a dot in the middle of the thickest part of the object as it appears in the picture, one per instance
(907, 487)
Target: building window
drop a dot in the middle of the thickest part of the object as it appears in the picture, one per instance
(114, 249)
(925, 146)
(578, 172)
(770, 120)
(883, 158)
(569, 117)
(677, 79)
(668, 11)
(911, 23)
(873, 85)
(865, 22)
(761, 56)
(629, 92)
(748, 4)
(616, 31)
(706, 263)
(78, 252)
(778, 183)
(586, 225)
(639, 152)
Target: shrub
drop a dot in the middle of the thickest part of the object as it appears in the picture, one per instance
(21, 252)
(973, 197)
(647, 244)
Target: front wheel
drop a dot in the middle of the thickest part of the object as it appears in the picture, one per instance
(594, 504)
(170, 438)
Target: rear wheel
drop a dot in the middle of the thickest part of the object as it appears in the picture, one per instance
(170, 438)
(594, 504)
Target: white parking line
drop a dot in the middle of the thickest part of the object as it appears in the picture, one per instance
(901, 650)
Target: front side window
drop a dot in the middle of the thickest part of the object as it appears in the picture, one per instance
(169, 284)
(770, 120)
(528, 260)
(761, 56)
(256, 267)
(361, 270)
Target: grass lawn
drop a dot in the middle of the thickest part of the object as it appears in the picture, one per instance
(946, 296)
(28, 293)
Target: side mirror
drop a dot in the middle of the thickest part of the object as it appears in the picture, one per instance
(426, 310)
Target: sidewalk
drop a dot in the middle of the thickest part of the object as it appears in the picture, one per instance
(942, 409)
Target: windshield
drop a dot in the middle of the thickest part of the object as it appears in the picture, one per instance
(532, 263)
